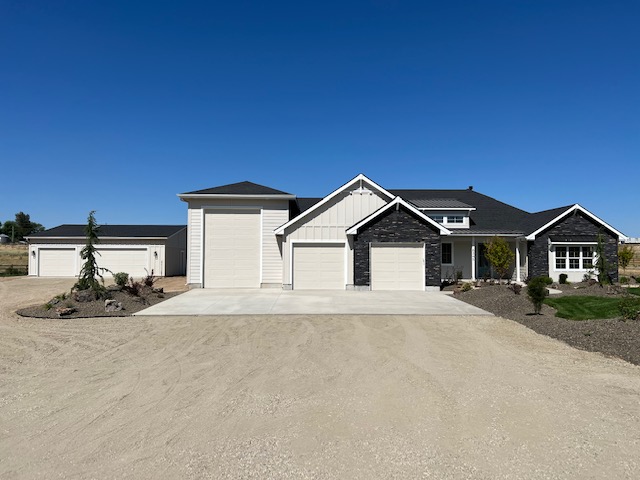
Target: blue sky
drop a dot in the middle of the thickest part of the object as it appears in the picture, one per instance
(118, 106)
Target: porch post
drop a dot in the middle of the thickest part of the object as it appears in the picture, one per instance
(518, 260)
(473, 259)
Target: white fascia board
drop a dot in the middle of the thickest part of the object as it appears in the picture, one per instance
(280, 230)
(440, 209)
(99, 238)
(185, 197)
(397, 201)
(576, 207)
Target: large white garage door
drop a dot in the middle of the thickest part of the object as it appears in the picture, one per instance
(134, 261)
(57, 262)
(232, 249)
(318, 267)
(397, 267)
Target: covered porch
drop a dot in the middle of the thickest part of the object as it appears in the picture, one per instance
(463, 257)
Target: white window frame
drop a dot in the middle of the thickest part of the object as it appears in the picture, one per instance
(567, 258)
(461, 217)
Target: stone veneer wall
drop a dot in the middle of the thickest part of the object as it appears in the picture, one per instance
(574, 225)
(397, 226)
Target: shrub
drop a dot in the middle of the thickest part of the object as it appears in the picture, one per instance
(545, 280)
(516, 287)
(537, 292)
(563, 278)
(466, 287)
(629, 308)
(624, 280)
(149, 280)
(121, 278)
(134, 288)
(47, 306)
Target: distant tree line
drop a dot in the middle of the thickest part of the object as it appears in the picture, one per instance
(21, 227)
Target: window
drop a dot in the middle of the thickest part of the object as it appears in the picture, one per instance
(438, 218)
(587, 258)
(447, 253)
(574, 258)
(561, 258)
(455, 219)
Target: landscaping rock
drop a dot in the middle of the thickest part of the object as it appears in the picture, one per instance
(112, 306)
(161, 295)
(64, 311)
(114, 288)
(84, 296)
(158, 290)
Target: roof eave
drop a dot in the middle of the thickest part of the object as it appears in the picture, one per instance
(532, 236)
(195, 196)
(397, 201)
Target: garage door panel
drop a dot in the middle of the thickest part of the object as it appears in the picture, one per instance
(232, 249)
(318, 267)
(133, 261)
(397, 267)
(57, 262)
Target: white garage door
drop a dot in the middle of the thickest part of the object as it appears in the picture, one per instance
(318, 267)
(232, 249)
(397, 267)
(134, 261)
(57, 262)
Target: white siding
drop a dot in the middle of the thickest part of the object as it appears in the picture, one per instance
(274, 213)
(272, 218)
(330, 222)
(194, 247)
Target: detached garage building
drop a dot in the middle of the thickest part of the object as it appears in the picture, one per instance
(135, 249)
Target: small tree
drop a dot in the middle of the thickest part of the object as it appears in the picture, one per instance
(537, 292)
(625, 255)
(601, 263)
(499, 255)
(90, 271)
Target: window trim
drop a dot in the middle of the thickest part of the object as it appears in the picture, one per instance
(567, 257)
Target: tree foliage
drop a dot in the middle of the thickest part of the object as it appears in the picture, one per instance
(499, 255)
(21, 227)
(601, 264)
(90, 271)
(625, 255)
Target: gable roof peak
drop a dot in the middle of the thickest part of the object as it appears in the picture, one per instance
(239, 188)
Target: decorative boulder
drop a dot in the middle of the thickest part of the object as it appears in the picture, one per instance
(114, 288)
(112, 306)
(158, 290)
(64, 311)
(84, 296)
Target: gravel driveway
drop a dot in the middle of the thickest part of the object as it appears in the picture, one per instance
(305, 397)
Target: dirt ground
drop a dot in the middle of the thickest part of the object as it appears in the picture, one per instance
(305, 397)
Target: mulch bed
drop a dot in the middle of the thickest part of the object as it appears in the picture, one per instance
(614, 337)
(96, 308)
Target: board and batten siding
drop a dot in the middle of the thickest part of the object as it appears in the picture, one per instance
(273, 214)
(330, 222)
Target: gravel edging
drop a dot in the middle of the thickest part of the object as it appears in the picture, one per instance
(614, 337)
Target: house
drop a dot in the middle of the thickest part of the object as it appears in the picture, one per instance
(364, 237)
(135, 249)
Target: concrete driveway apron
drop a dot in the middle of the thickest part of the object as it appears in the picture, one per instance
(312, 302)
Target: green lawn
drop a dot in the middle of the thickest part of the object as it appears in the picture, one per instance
(585, 308)
(635, 290)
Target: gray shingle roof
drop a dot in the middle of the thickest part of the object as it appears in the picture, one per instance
(443, 203)
(240, 188)
(490, 217)
(125, 231)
